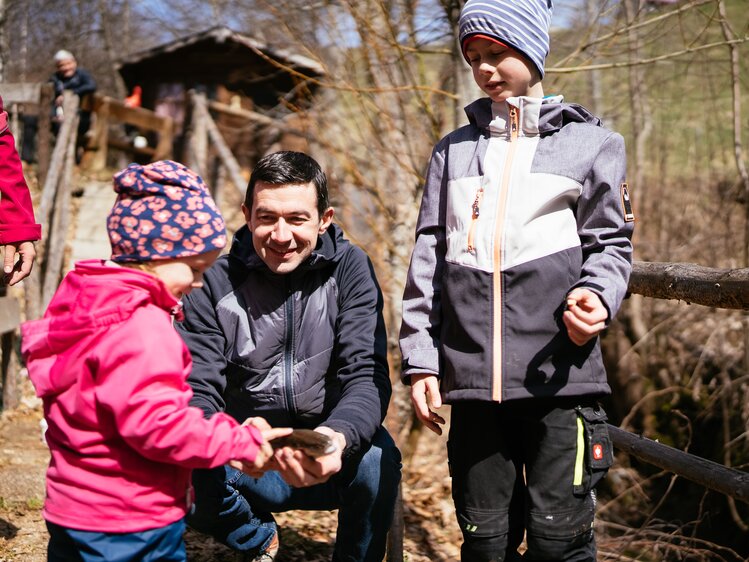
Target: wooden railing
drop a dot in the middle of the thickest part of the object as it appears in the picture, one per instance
(109, 111)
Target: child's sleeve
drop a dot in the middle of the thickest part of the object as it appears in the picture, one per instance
(605, 226)
(16, 213)
(142, 383)
(420, 329)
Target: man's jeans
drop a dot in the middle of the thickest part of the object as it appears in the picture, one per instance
(236, 508)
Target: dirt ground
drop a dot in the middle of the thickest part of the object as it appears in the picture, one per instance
(431, 534)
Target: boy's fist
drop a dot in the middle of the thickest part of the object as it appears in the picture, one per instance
(585, 316)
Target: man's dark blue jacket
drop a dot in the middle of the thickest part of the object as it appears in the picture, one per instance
(302, 349)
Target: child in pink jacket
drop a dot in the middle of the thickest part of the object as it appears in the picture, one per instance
(112, 373)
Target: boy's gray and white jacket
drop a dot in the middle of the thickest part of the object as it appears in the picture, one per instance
(520, 206)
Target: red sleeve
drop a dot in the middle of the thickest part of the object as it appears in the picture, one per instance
(17, 222)
(142, 381)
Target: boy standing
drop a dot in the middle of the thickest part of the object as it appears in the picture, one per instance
(522, 257)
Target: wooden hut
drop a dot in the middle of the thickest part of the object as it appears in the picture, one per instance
(232, 70)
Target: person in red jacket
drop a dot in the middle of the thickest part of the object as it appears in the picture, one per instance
(18, 230)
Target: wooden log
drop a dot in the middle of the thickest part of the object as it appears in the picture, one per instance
(54, 261)
(10, 318)
(44, 132)
(239, 112)
(722, 288)
(21, 92)
(67, 131)
(709, 474)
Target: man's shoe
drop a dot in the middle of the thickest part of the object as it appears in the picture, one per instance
(268, 555)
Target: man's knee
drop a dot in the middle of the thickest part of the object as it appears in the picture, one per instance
(380, 467)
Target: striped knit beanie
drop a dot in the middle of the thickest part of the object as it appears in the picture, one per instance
(522, 25)
(163, 211)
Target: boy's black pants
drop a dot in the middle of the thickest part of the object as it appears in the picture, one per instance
(527, 465)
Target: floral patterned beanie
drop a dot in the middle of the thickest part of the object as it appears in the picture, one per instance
(163, 211)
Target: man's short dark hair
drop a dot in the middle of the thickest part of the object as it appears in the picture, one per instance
(289, 168)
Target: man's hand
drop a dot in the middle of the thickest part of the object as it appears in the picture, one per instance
(300, 470)
(14, 271)
(425, 395)
(585, 316)
(264, 458)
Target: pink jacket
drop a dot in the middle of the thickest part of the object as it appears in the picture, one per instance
(112, 372)
(16, 214)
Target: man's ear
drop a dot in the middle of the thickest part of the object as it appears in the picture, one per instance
(246, 212)
(326, 219)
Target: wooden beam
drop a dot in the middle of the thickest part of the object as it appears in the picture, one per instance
(10, 314)
(728, 481)
(244, 113)
(137, 116)
(21, 92)
(722, 288)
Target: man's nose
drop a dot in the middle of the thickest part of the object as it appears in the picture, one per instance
(281, 232)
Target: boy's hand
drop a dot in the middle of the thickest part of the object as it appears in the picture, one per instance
(300, 470)
(264, 459)
(425, 394)
(585, 316)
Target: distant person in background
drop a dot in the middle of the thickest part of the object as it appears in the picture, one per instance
(68, 76)
(18, 230)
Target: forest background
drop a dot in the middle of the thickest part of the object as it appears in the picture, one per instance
(670, 75)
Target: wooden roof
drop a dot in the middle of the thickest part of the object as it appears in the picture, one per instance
(222, 56)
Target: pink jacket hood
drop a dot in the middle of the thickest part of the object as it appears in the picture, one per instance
(92, 296)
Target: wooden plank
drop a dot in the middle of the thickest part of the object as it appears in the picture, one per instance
(137, 116)
(10, 314)
(728, 481)
(722, 288)
(20, 92)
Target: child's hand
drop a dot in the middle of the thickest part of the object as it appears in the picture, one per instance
(585, 316)
(264, 459)
(425, 394)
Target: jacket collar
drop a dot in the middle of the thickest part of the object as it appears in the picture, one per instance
(535, 115)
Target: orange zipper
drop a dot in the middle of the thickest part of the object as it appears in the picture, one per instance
(497, 280)
(475, 209)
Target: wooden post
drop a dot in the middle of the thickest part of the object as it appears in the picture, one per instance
(198, 142)
(44, 133)
(10, 318)
(100, 141)
(60, 222)
(67, 131)
(164, 147)
(224, 152)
